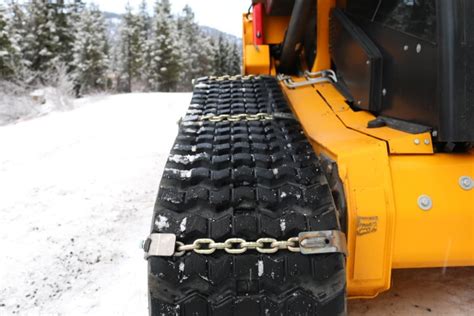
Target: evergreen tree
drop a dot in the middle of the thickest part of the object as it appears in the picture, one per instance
(61, 14)
(131, 50)
(42, 45)
(6, 49)
(188, 35)
(196, 50)
(144, 26)
(90, 51)
(221, 56)
(234, 62)
(204, 59)
(165, 61)
(17, 22)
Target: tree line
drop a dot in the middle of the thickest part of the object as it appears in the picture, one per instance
(150, 52)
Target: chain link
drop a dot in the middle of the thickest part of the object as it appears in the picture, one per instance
(236, 117)
(208, 246)
(236, 77)
(201, 81)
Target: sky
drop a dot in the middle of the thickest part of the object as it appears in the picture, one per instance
(224, 15)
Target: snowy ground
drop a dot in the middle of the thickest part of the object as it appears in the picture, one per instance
(77, 191)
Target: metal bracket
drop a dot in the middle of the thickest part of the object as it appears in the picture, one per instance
(160, 245)
(326, 241)
(324, 76)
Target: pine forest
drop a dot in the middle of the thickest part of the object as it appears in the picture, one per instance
(52, 43)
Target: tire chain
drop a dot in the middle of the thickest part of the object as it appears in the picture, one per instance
(208, 246)
(236, 117)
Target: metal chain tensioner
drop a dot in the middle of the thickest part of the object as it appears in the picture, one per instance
(315, 242)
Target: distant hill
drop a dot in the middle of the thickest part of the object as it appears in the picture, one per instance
(114, 22)
(210, 31)
(111, 15)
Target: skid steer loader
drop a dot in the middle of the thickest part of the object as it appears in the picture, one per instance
(343, 151)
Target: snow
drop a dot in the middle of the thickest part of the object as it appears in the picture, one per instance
(282, 224)
(162, 222)
(182, 173)
(182, 226)
(260, 267)
(78, 189)
(186, 159)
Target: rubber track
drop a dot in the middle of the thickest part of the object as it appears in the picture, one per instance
(247, 179)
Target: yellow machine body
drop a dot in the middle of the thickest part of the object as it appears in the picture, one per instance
(384, 173)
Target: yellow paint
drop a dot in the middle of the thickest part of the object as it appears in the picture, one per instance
(364, 168)
(323, 58)
(370, 244)
(444, 235)
(274, 28)
(257, 60)
(247, 28)
(383, 171)
(382, 187)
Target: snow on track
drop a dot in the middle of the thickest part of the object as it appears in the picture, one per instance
(77, 193)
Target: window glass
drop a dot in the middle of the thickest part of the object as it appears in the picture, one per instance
(414, 17)
(363, 8)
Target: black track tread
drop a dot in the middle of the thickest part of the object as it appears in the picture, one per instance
(244, 179)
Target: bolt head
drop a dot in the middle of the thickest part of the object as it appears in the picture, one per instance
(427, 141)
(416, 141)
(466, 183)
(425, 202)
(405, 48)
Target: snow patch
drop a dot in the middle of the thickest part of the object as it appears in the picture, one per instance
(204, 278)
(193, 149)
(181, 266)
(275, 171)
(186, 159)
(283, 195)
(260, 267)
(100, 273)
(182, 173)
(162, 222)
(182, 225)
(202, 86)
(282, 224)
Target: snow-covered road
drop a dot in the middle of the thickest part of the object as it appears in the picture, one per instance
(76, 196)
(77, 192)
